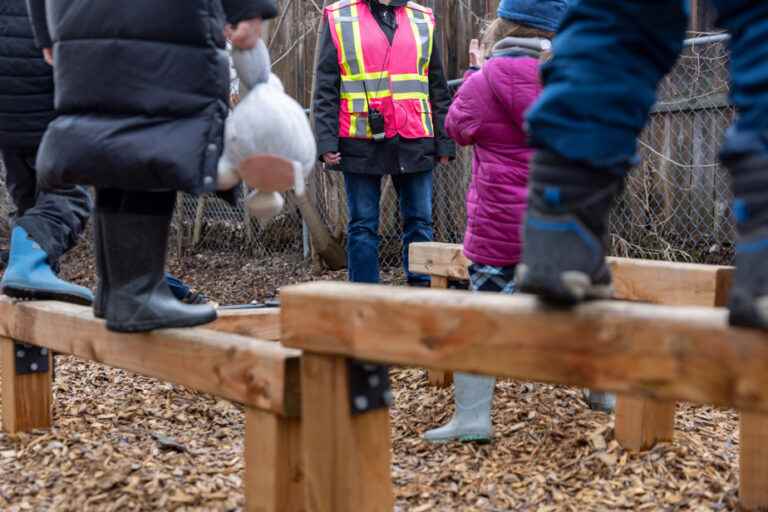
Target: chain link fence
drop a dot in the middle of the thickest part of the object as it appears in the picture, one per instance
(676, 205)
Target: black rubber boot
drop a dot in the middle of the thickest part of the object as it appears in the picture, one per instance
(102, 288)
(135, 236)
(565, 230)
(748, 304)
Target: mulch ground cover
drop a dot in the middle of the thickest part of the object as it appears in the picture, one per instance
(123, 442)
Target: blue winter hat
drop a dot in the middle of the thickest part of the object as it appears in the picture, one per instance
(541, 14)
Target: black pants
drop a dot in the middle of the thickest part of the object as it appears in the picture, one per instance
(54, 219)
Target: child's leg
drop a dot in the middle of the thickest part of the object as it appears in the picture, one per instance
(599, 88)
(746, 155)
(473, 394)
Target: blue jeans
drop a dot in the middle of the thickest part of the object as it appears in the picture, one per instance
(609, 57)
(363, 198)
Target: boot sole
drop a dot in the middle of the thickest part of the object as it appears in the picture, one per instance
(467, 438)
(569, 288)
(30, 294)
(157, 324)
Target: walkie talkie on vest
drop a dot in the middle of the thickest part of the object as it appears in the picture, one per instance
(375, 119)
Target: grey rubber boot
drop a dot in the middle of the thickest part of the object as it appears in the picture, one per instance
(473, 395)
(600, 401)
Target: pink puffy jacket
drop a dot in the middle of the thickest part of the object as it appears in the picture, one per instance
(488, 112)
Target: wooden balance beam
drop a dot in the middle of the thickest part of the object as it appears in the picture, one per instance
(640, 422)
(261, 375)
(655, 282)
(659, 352)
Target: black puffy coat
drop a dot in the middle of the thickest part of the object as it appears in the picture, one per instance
(26, 81)
(142, 91)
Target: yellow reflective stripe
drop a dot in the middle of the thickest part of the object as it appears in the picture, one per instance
(357, 122)
(416, 37)
(410, 96)
(361, 95)
(431, 43)
(409, 76)
(424, 30)
(350, 108)
(427, 115)
(340, 38)
(358, 39)
(367, 76)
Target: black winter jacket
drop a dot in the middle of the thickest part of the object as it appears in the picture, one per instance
(142, 90)
(392, 156)
(26, 81)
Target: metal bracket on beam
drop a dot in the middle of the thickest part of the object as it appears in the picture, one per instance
(30, 359)
(369, 387)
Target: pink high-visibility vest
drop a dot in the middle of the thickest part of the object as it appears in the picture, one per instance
(394, 79)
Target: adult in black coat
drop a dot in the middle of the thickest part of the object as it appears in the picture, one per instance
(142, 90)
(364, 161)
(46, 224)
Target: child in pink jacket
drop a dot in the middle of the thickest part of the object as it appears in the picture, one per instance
(488, 112)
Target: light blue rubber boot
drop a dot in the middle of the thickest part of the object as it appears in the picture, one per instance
(29, 274)
(471, 422)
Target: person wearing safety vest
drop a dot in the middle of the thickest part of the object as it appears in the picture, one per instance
(380, 103)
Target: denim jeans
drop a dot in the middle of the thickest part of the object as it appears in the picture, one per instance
(363, 198)
(609, 57)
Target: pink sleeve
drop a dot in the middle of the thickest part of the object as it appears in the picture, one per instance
(464, 116)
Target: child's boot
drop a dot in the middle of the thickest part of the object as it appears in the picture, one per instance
(29, 274)
(473, 395)
(565, 229)
(748, 163)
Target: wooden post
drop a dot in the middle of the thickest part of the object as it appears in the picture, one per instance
(274, 479)
(347, 459)
(753, 464)
(441, 379)
(27, 399)
(642, 422)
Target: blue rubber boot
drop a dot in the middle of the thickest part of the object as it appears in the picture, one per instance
(29, 274)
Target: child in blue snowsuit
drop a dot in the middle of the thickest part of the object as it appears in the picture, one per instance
(609, 57)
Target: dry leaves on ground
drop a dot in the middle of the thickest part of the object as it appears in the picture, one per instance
(122, 442)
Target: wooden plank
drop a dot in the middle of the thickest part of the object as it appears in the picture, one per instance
(274, 478)
(263, 324)
(27, 399)
(259, 373)
(439, 378)
(347, 458)
(663, 282)
(668, 353)
(657, 282)
(438, 259)
(642, 422)
(753, 462)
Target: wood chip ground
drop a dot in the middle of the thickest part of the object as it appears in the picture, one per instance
(122, 442)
